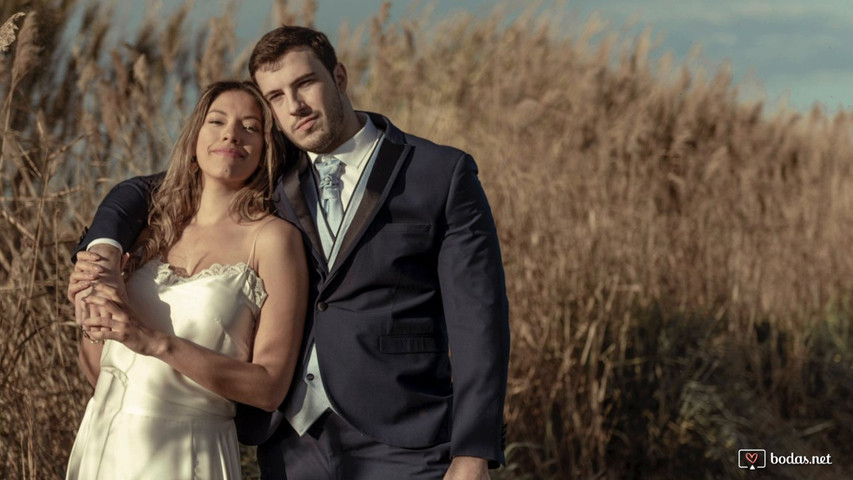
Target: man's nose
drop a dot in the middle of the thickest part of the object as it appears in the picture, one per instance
(297, 105)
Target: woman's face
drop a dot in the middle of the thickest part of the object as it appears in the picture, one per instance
(231, 139)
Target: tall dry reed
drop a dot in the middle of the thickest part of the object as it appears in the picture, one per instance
(676, 260)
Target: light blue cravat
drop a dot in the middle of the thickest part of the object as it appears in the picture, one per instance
(331, 186)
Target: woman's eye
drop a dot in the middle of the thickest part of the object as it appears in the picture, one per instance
(251, 128)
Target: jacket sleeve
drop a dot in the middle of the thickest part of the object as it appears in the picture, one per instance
(473, 291)
(256, 426)
(122, 214)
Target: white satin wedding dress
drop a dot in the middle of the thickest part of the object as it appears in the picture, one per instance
(146, 420)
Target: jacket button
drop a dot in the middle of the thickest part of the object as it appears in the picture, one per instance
(309, 377)
(322, 306)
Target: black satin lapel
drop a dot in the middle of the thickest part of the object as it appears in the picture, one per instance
(293, 190)
(385, 170)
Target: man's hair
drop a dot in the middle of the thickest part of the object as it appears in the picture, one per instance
(272, 46)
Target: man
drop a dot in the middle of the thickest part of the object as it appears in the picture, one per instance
(406, 350)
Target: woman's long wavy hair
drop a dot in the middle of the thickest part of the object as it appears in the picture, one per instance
(175, 201)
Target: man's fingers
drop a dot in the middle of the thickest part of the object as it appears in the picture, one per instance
(88, 256)
(82, 275)
(83, 272)
(80, 307)
(88, 267)
(79, 310)
(85, 269)
(82, 294)
(76, 277)
(74, 288)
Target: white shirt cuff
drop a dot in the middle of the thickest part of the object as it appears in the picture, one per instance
(107, 241)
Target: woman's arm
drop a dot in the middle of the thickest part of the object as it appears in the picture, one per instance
(264, 382)
(89, 358)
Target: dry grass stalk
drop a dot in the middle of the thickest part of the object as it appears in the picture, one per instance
(27, 51)
(7, 31)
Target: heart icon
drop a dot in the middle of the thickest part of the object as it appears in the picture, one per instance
(752, 457)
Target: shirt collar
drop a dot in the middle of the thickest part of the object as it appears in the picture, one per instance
(354, 151)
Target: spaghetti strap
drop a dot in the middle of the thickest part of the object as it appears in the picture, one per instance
(255, 242)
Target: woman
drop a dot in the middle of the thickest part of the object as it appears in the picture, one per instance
(215, 307)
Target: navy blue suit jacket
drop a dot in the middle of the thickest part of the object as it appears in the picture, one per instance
(411, 323)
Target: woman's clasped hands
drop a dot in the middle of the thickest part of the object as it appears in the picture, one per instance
(116, 321)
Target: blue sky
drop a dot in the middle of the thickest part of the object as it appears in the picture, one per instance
(794, 49)
(788, 52)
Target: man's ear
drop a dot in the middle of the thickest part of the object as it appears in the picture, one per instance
(340, 74)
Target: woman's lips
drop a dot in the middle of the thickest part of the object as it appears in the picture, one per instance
(229, 152)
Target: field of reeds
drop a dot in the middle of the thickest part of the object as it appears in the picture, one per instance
(677, 261)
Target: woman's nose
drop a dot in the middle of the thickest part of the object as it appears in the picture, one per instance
(231, 134)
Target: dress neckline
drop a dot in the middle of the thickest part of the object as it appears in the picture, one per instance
(253, 286)
(167, 274)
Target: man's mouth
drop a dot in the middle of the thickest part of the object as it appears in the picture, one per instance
(304, 124)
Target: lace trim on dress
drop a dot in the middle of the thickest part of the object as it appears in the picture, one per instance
(256, 292)
(254, 284)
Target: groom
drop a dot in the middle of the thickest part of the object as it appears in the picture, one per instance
(407, 345)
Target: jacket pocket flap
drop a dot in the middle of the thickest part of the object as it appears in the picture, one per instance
(410, 344)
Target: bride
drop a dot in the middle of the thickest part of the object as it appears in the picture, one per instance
(213, 311)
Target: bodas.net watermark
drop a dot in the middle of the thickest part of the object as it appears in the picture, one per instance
(753, 458)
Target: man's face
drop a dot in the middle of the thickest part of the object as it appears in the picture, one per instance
(307, 100)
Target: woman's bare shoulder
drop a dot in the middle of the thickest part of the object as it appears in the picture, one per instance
(275, 237)
(271, 228)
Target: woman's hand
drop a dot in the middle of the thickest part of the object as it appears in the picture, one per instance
(102, 265)
(117, 322)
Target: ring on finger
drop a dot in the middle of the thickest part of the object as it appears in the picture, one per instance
(89, 337)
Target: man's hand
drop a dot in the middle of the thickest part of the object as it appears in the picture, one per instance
(85, 272)
(102, 264)
(467, 468)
